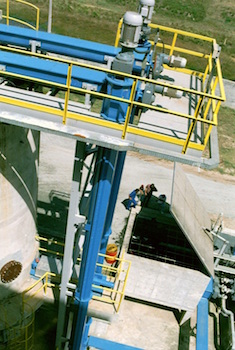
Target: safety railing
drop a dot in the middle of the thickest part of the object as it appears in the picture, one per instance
(17, 20)
(207, 100)
(211, 77)
(34, 290)
(116, 274)
(20, 336)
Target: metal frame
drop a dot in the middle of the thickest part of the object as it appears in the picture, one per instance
(208, 121)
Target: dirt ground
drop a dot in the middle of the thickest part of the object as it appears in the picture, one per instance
(158, 325)
(214, 175)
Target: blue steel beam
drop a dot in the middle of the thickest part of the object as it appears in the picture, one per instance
(103, 344)
(100, 279)
(50, 70)
(112, 203)
(60, 44)
(202, 318)
(104, 172)
(64, 45)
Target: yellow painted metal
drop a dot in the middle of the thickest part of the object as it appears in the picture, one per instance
(113, 273)
(50, 251)
(180, 32)
(164, 138)
(19, 21)
(173, 44)
(41, 238)
(206, 138)
(129, 109)
(200, 115)
(39, 285)
(8, 12)
(118, 34)
(36, 27)
(220, 78)
(183, 50)
(68, 83)
(21, 335)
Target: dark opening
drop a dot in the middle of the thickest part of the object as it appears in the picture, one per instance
(156, 235)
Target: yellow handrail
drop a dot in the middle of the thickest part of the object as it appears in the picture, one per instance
(36, 27)
(43, 282)
(200, 115)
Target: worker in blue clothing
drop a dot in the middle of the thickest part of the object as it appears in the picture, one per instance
(132, 198)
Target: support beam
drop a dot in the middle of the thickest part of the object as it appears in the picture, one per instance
(73, 222)
(103, 344)
(103, 177)
(203, 318)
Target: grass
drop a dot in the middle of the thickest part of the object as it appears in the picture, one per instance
(97, 20)
(226, 132)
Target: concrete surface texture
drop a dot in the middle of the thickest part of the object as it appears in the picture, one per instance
(137, 324)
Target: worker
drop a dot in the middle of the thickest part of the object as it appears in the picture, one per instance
(132, 199)
(149, 189)
(140, 194)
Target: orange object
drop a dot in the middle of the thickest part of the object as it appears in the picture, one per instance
(111, 253)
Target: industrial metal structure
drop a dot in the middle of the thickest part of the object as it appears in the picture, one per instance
(110, 99)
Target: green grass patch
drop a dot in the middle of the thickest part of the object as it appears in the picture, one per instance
(226, 132)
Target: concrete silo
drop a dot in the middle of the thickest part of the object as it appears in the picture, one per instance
(19, 152)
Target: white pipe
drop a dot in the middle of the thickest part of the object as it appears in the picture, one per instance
(229, 313)
(49, 17)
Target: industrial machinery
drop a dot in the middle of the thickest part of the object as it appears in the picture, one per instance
(109, 99)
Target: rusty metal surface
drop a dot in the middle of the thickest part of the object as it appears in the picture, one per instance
(10, 271)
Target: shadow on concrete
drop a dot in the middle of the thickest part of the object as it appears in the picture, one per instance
(184, 336)
(45, 327)
(52, 216)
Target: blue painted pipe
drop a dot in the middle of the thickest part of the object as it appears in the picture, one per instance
(104, 170)
(202, 318)
(104, 344)
(112, 202)
(202, 324)
(60, 44)
(49, 70)
(64, 45)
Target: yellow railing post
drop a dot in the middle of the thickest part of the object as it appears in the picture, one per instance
(8, 17)
(129, 109)
(118, 34)
(45, 289)
(173, 44)
(26, 338)
(68, 83)
(37, 20)
(8, 10)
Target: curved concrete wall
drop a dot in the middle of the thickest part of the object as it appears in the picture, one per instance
(19, 151)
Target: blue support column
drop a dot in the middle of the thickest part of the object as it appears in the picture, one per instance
(104, 171)
(109, 218)
(112, 202)
(202, 318)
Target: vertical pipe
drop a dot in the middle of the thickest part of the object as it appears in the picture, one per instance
(230, 314)
(112, 203)
(49, 17)
(69, 240)
(104, 170)
(203, 318)
(8, 12)
(66, 102)
(202, 325)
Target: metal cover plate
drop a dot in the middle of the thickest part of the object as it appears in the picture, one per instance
(10, 271)
(192, 217)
